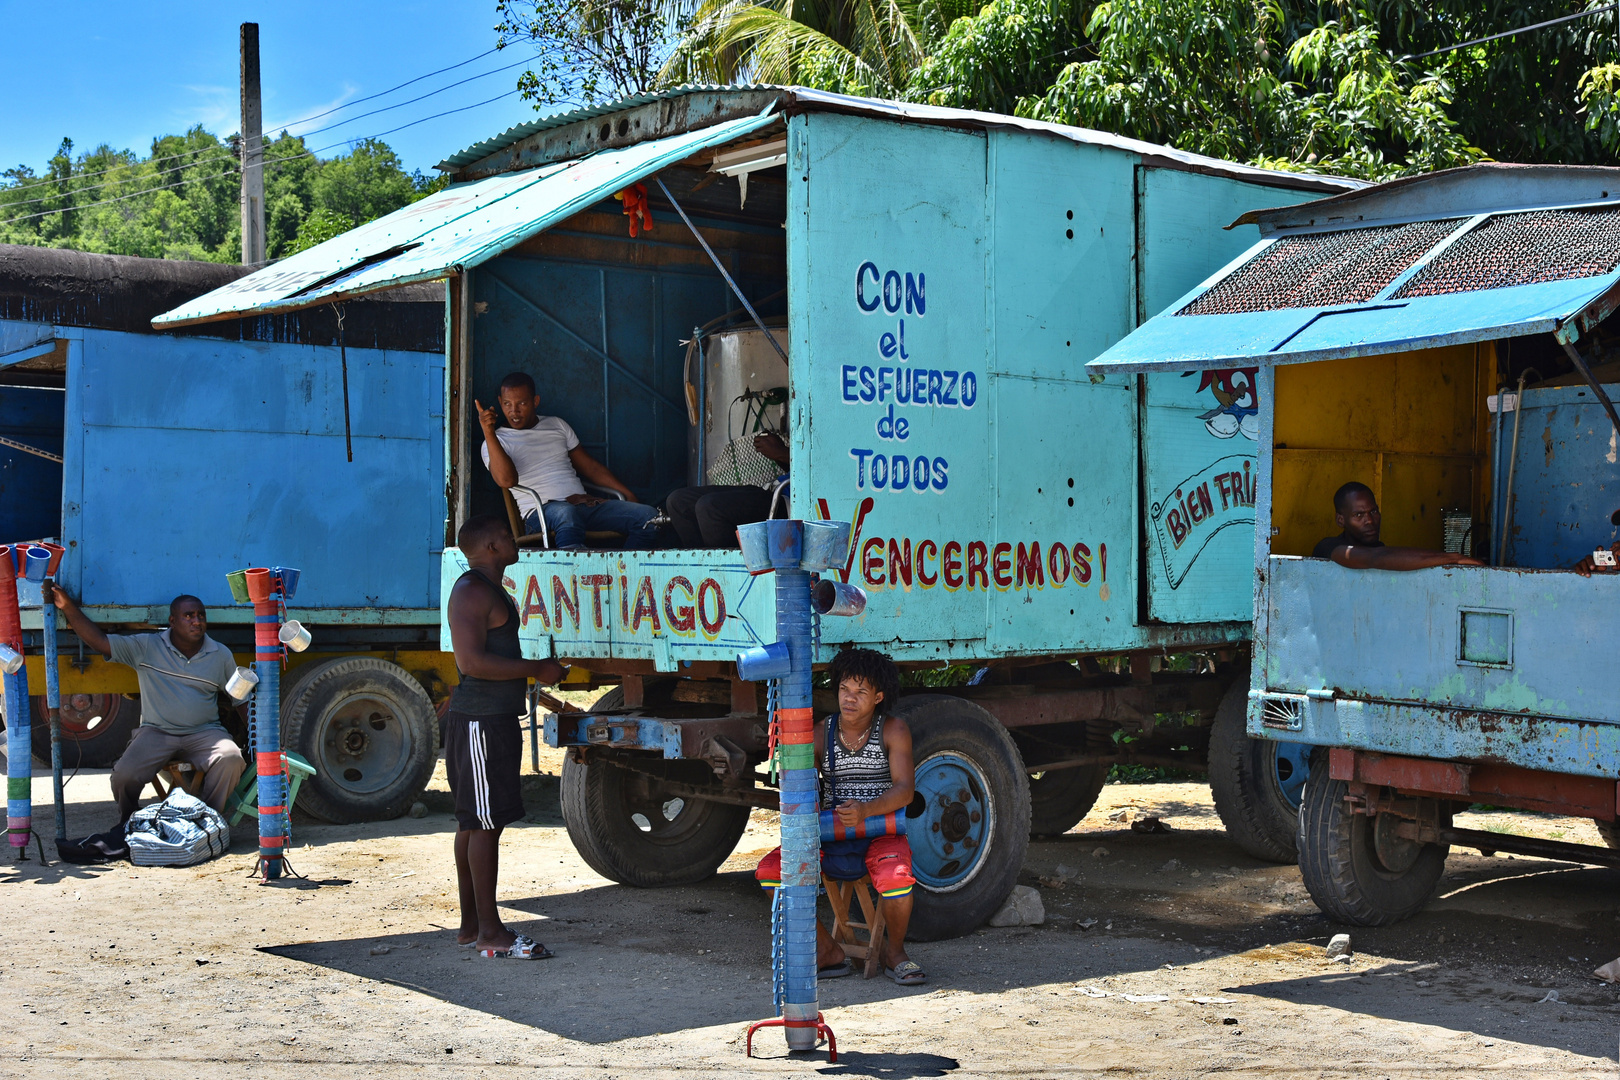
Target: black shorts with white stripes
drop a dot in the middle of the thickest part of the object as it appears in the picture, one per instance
(482, 757)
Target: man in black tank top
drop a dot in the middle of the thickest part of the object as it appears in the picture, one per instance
(483, 743)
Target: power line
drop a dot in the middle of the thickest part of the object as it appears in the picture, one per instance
(1615, 7)
(268, 164)
(381, 93)
(414, 100)
(186, 165)
(357, 101)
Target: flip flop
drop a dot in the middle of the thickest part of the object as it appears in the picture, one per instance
(523, 947)
(907, 973)
(836, 971)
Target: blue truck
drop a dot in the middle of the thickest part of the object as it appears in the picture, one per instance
(163, 461)
(1447, 340)
(934, 282)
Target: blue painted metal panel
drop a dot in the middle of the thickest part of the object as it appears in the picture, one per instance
(30, 486)
(464, 225)
(1397, 638)
(629, 733)
(1567, 479)
(194, 457)
(1171, 342)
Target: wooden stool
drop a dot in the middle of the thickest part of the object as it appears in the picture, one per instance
(839, 894)
(182, 775)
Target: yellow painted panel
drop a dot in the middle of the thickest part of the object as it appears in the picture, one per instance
(1411, 426)
(1302, 494)
(1415, 491)
(435, 670)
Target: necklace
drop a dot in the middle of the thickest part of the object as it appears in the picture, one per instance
(864, 739)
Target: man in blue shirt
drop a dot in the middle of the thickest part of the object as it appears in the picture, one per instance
(181, 672)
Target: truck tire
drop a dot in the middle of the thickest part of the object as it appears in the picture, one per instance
(370, 731)
(1257, 784)
(1340, 860)
(1610, 831)
(968, 842)
(628, 833)
(95, 728)
(1059, 800)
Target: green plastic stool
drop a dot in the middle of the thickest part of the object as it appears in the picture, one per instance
(245, 799)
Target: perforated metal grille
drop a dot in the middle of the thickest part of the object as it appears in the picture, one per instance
(1324, 269)
(1522, 249)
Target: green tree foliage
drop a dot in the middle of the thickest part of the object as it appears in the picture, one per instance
(1222, 77)
(182, 201)
(588, 50)
(870, 47)
(1009, 50)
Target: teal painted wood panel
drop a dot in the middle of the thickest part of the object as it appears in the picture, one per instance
(1198, 431)
(1061, 248)
(663, 606)
(886, 234)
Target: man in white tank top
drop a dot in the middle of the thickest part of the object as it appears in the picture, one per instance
(542, 453)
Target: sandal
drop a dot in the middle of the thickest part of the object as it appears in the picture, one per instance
(836, 971)
(523, 947)
(907, 973)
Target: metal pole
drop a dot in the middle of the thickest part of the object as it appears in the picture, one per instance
(19, 733)
(1513, 461)
(723, 273)
(252, 151)
(53, 702)
(268, 760)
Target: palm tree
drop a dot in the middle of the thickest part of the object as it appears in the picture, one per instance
(869, 47)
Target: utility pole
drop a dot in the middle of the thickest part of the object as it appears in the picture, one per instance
(252, 150)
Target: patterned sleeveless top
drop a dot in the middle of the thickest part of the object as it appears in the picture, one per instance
(860, 776)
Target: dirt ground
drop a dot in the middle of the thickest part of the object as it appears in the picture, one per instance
(1162, 955)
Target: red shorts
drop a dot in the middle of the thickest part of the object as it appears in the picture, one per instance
(888, 863)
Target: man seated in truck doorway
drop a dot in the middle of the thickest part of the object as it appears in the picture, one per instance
(181, 672)
(542, 453)
(1357, 546)
(708, 516)
(864, 758)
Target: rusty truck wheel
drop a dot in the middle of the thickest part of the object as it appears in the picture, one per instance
(629, 830)
(1257, 784)
(95, 728)
(371, 732)
(968, 842)
(1357, 869)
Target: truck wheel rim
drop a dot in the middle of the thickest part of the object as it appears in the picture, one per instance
(1290, 766)
(951, 839)
(84, 716)
(363, 746)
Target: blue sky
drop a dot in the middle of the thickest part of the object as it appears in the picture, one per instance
(126, 73)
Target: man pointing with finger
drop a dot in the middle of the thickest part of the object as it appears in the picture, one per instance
(540, 456)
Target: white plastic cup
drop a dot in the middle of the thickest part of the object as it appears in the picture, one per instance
(294, 636)
(11, 661)
(240, 685)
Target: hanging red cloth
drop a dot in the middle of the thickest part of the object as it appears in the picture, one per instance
(636, 209)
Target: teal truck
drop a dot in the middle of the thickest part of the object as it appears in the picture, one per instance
(911, 294)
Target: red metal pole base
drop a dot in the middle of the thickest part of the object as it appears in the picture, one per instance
(823, 1032)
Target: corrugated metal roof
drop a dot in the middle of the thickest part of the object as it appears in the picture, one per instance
(800, 99)
(463, 225)
(1497, 255)
(519, 132)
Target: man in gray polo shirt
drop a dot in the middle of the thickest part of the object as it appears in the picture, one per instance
(181, 672)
